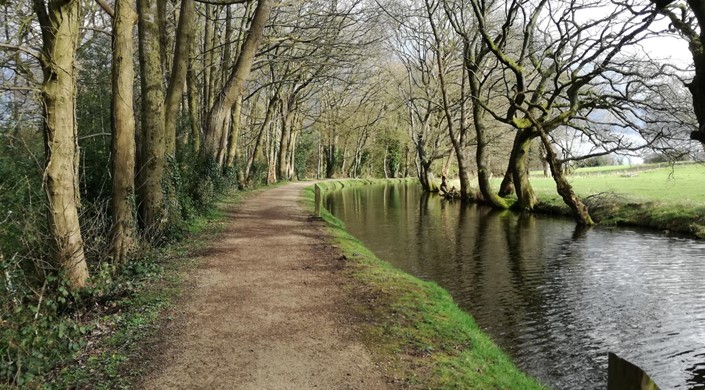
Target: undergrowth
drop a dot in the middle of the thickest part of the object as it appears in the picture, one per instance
(52, 337)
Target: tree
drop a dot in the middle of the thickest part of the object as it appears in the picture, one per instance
(123, 133)
(457, 136)
(561, 71)
(60, 22)
(479, 73)
(689, 20)
(418, 88)
(152, 155)
(220, 115)
(160, 107)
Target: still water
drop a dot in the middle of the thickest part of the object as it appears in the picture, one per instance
(555, 297)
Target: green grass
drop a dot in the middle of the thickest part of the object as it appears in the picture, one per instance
(416, 331)
(679, 185)
(664, 198)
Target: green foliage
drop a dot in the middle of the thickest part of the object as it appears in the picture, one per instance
(46, 329)
(204, 183)
(306, 157)
(258, 174)
(600, 161)
(44, 326)
(21, 193)
(394, 156)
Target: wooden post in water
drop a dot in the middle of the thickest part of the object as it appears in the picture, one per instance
(318, 199)
(622, 375)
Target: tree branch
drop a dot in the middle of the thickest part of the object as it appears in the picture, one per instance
(106, 7)
(20, 49)
(222, 2)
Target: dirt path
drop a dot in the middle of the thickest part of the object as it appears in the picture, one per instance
(265, 310)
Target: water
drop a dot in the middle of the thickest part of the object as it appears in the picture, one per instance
(555, 297)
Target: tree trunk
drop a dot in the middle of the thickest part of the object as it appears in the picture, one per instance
(483, 172)
(207, 57)
(220, 115)
(384, 162)
(506, 188)
(172, 105)
(163, 35)
(526, 198)
(151, 173)
(60, 32)
(331, 158)
(192, 99)
(424, 166)
(287, 122)
(182, 50)
(458, 140)
(272, 156)
(406, 161)
(123, 133)
(319, 162)
(565, 190)
(233, 150)
(291, 157)
(257, 148)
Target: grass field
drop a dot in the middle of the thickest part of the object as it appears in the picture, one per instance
(678, 185)
(663, 197)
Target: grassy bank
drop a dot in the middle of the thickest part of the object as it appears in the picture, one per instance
(110, 327)
(663, 198)
(418, 334)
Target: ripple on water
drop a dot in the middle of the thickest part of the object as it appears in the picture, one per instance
(556, 298)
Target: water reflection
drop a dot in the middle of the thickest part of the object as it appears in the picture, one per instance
(555, 296)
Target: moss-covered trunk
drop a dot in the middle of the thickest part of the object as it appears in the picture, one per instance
(192, 99)
(60, 31)
(526, 198)
(172, 106)
(565, 190)
(153, 211)
(506, 188)
(123, 133)
(233, 149)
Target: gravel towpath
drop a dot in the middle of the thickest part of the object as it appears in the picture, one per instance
(264, 309)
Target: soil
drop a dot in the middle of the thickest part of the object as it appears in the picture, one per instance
(265, 309)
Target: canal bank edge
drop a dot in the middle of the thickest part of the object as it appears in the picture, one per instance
(416, 333)
(604, 209)
(608, 211)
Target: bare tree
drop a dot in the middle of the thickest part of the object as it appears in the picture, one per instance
(480, 72)
(418, 87)
(559, 64)
(688, 18)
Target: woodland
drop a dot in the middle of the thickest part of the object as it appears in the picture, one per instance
(122, 120)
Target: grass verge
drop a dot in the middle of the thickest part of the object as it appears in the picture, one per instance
(417, 333)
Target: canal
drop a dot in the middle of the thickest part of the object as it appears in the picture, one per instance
(554, 296)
